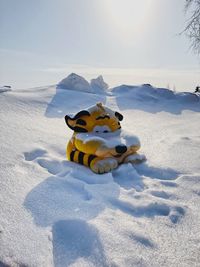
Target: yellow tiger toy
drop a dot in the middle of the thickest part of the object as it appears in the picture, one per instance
(98, 141)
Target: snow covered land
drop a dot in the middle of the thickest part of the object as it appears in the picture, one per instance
(57, 213)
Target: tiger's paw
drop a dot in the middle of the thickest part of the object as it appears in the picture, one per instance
(135, 158)
(104, 165)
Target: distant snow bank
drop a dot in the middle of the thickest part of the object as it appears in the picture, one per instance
(147, 92)
(144, 92)
(5, 88)
(78, 83)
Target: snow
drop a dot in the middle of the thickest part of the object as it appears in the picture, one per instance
(110, 139)
(57, 213)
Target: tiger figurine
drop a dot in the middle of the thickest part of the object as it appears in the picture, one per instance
(98, 141)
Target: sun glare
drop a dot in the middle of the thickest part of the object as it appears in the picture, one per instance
(127, 17)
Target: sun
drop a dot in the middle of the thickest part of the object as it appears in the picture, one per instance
(127, 17)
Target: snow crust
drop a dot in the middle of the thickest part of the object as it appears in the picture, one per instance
(57, 213)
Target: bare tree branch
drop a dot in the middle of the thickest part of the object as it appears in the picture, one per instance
(192, 29)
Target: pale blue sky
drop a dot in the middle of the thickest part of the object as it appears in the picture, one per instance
(128, 41)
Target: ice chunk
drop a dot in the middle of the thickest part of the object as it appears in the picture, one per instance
(98, 85)
(76, 83)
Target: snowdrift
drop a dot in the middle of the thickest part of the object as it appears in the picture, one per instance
(152, 99)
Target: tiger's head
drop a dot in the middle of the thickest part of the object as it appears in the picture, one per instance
(97, 119)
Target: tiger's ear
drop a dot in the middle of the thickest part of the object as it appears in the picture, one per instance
(71, 122)
(81, 113)
(119, 116)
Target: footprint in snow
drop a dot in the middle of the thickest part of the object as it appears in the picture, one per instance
(79, 182)
(169, 184)
(77, 239)
(127, 177)
(72, 190)
(63, 168)
(150, 210)
(142, 240)
(157, 173)
(161, 194)
(51, 165)
(29, 156)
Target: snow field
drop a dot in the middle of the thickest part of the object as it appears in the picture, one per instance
(58, 213)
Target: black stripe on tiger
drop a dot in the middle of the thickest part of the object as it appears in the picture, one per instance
(72, 155)
(80, 157)
(90, 159)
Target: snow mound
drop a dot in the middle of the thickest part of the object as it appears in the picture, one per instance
(152, 99)
(148, 92)
(76, 82)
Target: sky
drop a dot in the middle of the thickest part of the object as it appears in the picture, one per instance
(126, 41)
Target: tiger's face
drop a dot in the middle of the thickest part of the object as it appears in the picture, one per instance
(97, 119)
